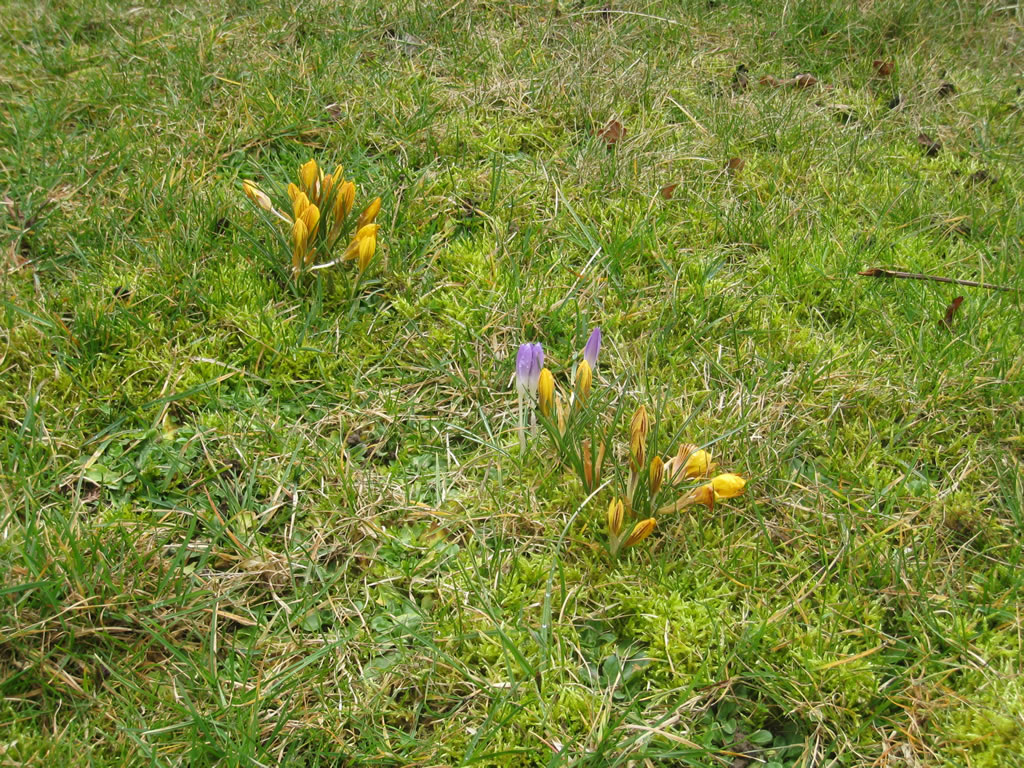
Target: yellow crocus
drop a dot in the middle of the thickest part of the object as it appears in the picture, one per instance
(616, 513)
(728, 486)
(344, 201)
(657, 473)
(697, 465)
(641, 531)
(308, 174)
(257, 195)
(369, 214)
(584, 379)
(545, 391)
(299, 238)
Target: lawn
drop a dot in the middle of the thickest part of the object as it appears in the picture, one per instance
(249, 518)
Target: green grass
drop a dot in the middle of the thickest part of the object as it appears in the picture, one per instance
(191, 575)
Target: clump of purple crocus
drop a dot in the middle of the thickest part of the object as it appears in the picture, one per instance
(529, 363)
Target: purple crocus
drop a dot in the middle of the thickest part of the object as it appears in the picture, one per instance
(593, 347)
(529, 362)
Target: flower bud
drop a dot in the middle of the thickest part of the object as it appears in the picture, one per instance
(657, 473)
(255, 194)
(308, 175)
(640, 532)
(616, 513)
(584, 378)
(369, 214)
(545, 392)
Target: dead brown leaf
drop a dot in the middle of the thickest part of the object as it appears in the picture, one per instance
(668, 190)
(803, 81)
(883, 67)
(954, 305)
(735, 164)
(612, 133)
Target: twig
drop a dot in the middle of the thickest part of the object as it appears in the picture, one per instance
(880, 272)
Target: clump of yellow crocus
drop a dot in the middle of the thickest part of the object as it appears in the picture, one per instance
(321, 206)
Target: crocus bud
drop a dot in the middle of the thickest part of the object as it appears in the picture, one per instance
(638, 429)
(615, 517)
(545, 392)
(344, 201)
(640, 532)
(308, 175)
(591, 350)
(299, 235)
(367, 247)
(657, 472)
(728, 486)
(529, 363)
(584, 378)
(369, 213)
(257, 196)
(293, 191)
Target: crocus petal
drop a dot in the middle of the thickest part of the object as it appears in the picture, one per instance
(536, 366)
(593, 348)
(523, 360)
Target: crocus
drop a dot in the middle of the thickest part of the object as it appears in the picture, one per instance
(592, 348)
(657, 473)
(369, 214)
(529, 364)
(728, 486)
(616, 512)
(309, 174)
(640, 532)
(545, 392)
(257, 195)
(584, 378)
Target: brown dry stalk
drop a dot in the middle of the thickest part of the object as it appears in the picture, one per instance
(881, 272)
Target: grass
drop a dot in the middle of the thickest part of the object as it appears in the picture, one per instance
(192, 575)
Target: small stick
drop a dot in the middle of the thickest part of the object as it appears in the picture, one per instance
(880, 272)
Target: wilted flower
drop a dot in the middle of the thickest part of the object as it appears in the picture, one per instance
(592, 348)
(689, 463)
(591, 465)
